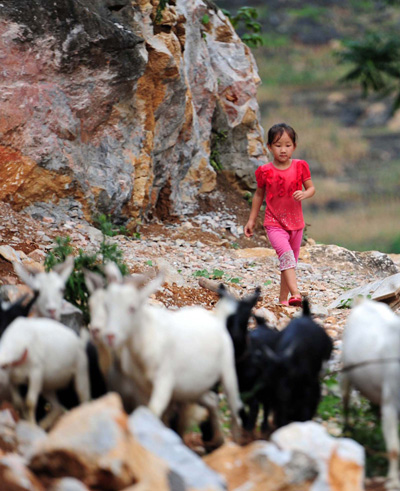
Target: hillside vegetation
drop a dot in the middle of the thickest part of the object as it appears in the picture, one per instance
(351, 142)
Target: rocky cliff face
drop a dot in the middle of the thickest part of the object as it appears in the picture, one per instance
(117, 105)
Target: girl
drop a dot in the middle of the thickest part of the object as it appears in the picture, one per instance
(282, 181)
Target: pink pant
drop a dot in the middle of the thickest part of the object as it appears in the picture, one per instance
(286, 244)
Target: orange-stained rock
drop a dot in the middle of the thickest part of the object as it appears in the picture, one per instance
(243, 468)
(15, 476)
(92, 443)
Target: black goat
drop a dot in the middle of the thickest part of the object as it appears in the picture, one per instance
(299, 354)
(14, 310)
(255, 371)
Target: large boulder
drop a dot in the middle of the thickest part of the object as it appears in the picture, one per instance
(118, 105)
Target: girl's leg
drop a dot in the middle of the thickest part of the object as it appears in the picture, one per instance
(287, 246)
(295, 239)
(288, 276)
(284, 291)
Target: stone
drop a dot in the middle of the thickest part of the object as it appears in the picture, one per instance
(67, 484)
(10, 254)
(150, 432)
(255, 252)
(261, 466)
(92, 443)
(27, 436)
(340, 461)
(386, 289)
(15, 476)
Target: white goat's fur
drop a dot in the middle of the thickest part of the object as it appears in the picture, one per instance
(50, 287)
(176, 355)
(372, 334)
(45, 355)
(110, 365)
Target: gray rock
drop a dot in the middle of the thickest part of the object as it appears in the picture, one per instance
(166, 444)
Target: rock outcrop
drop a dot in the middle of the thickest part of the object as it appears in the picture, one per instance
(118, 105)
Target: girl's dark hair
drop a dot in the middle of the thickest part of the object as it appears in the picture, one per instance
(276, 131)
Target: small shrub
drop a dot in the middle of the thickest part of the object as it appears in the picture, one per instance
(75, 288)
(246, 18)
(217, 274)
(217, 137)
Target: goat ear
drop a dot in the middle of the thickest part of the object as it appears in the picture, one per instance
(113, 273)
(252, 300)
(65, 269)
(26, 276)
(93, 281)
(137, 279)
(222, 290)
(153, 286)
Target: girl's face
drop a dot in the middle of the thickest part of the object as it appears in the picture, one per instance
(282, 149)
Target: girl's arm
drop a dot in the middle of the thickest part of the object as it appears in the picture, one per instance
(258, 199)
(307, 193)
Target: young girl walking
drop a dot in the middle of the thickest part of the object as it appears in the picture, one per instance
(281, 182)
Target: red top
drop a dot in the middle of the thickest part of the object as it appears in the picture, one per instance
(282, 209)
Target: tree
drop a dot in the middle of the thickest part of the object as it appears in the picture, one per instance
(376, 63)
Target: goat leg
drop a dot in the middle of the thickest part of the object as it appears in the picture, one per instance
(34, 389)
(161, 393)
(345, 390)
(231, 390)
(56, 411)
(17, 400)
(390, 432)
(81, 379)
(211, 428)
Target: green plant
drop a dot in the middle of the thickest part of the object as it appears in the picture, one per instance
(217, 274)
(330, 406)
(365, 428)
(205, 19)
(246, 17)
(217, 137)
(235, 245)
(75, 288)
(201, 273)
(159, 12)
(345, 304)
(103, 222)
(309, 12)
(376, 64)
(364, 424)
(248, 196)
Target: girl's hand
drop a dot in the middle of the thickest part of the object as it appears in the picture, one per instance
(248, 229)
(299, 195)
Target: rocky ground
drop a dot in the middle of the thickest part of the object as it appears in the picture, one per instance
(207, 245)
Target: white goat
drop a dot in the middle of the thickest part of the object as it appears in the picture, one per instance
(45, 355)
(176, 355)
(110, 364)
(371, 362)
(50, 287)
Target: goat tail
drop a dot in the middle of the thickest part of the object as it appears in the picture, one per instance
(306, 307)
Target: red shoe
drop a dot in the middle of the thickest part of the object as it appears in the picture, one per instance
(295, 302)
